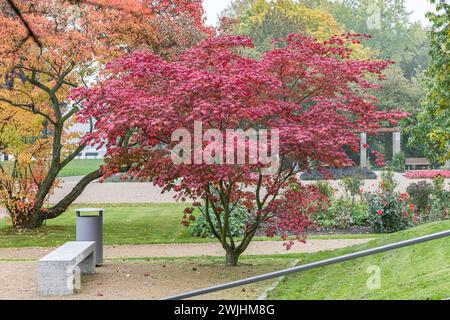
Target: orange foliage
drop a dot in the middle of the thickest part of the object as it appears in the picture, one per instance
(73, 42)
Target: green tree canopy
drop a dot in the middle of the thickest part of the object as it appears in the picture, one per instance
(394, 36)
(267, 21)
(432, 128)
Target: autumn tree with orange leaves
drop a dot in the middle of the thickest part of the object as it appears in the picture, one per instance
(48, 48)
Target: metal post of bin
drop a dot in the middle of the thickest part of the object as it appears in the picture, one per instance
(90, 228)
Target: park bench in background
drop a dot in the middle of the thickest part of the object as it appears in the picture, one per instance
(413, 163)
(58, 270)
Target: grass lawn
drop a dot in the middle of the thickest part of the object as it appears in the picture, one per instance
(80, 167)
(416, 272)
(123, 224)
(77, 167)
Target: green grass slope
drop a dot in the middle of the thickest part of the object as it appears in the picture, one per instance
(416, 272)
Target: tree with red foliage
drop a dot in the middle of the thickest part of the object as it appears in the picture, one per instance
(310, 91)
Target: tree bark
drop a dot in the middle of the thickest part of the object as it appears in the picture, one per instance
(32, 220)
(232, 258)
(30, 217)
(62, 206)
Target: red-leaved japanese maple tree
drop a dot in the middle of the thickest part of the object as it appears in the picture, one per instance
(310, 91)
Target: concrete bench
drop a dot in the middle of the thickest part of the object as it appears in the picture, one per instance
(414, 162)
(58, 271)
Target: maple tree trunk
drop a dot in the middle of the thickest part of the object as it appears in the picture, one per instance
(29, 220)
(233, 254)
(26, 217)
(232, 258)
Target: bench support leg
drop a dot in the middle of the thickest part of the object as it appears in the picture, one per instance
(55, 279)
(87, 266)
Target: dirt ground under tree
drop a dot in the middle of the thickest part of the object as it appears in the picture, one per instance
(145, 280)
(179, 268)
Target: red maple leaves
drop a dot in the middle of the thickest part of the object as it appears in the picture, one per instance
(312, 92)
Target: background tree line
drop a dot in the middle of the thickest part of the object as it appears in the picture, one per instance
(394, 37)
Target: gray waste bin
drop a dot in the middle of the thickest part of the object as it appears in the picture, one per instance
(90, 228)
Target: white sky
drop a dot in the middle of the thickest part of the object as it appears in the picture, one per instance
(419, 8)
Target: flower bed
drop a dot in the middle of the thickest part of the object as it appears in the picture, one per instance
(428, 174)
(338, 173)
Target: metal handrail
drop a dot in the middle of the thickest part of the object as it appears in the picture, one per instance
(309, 266)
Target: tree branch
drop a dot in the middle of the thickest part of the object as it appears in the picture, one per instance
(30, 31)
(28, 107)
(62, 206)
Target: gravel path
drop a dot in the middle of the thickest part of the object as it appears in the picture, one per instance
(134, 193)
(114, 193)
(189, 250)
(148, 193)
